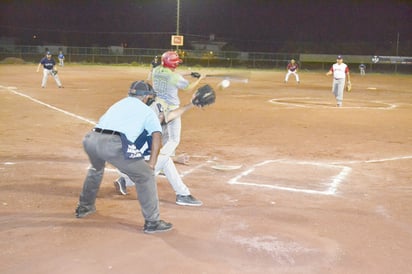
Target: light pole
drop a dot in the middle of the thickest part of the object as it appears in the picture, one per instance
(397, 52)
(178, 21)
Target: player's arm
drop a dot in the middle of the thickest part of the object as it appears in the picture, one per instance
(155, 148)
(329, 72)
(177, 112)
(38, 67)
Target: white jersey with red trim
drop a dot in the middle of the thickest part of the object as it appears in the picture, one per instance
(339, 70)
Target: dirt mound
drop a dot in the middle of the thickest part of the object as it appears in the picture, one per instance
(12, 60)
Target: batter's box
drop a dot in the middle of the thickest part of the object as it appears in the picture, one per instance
(296, 176)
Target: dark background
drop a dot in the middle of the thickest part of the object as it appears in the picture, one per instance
(363, 27)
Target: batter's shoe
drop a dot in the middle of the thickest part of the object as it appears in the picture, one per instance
(156, 226)
(120, 185)
(82, 211)
(187, 200)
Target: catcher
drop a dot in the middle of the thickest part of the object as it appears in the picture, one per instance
(202, 97)
(49, 69)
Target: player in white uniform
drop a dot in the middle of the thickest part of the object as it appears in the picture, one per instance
(340, 73)
(292, 68)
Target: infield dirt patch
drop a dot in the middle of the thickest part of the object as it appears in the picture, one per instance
(319, 189)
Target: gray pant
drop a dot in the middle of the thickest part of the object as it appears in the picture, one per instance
(46, 74)
(105, 147)
(338, 87)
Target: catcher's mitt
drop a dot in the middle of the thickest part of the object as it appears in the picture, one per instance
(195, 74)
(53, 72)
(204, 96)
(348, 86)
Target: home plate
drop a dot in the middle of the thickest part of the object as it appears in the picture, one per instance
(371, 88)
(226, 167)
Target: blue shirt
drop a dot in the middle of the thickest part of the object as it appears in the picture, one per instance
(48, 63)
(130, 116)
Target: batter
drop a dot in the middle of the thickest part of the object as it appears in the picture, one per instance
(167, 83)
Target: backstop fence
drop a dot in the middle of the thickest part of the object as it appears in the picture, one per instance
(204, 58)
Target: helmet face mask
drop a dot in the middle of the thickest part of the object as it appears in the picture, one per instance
(170, 59)
(141, 88)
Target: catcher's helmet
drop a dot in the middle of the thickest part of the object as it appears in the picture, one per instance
(141, 88)
(170, 59)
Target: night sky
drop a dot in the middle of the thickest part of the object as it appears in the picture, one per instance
(245, 24)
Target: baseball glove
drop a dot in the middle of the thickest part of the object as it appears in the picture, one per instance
(204, 96)
(348, 86)
(195, 74)
(53, 72)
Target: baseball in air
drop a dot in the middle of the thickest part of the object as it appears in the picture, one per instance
(225, 83)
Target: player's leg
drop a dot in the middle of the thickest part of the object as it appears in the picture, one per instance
(287, 76)
(93, 178)
(173, 130)
(57, 79)
(297, 77)
(46, 74)
(165, 164)
(339, 92)
(139, 172)
(183, 196)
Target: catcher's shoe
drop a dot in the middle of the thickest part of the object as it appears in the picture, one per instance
(187, 200)
(82, 211)
(120, 185)
(156, 226)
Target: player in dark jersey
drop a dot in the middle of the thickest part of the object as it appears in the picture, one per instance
(49, 65)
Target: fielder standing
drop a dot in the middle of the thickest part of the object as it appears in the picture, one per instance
(362, 69)
(292, 68)
(49, 69)
(61, 58)
(340, 73)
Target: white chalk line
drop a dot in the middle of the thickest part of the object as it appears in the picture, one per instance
(333, 184)
(13, 90)
(373, 160)
(309, 102)
(331, 190)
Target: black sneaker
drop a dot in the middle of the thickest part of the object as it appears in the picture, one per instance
(156, 226)
(187, 200)
(82, 211)
(120, 185)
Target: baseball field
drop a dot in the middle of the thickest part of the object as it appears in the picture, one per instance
(313, 188)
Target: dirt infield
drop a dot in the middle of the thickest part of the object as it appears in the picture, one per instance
(319, 189)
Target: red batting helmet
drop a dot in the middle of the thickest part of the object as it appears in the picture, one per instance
(170, 59)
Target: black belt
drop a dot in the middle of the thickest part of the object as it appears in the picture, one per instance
(106, 131)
